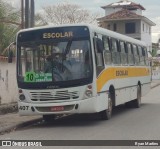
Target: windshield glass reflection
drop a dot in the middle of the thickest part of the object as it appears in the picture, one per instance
(56, 61)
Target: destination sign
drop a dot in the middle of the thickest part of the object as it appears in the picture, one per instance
(58, 35)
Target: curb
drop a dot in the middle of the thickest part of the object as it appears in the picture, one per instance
(18, 126)
(155, 86)
(8, 108)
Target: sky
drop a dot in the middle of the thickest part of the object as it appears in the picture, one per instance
(152, 7)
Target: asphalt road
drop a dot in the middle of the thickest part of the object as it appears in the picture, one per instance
(125, 124)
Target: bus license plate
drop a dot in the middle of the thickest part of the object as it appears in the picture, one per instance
(58, 108)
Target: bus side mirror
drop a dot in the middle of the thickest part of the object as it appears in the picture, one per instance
(10, 53)
(99, 45)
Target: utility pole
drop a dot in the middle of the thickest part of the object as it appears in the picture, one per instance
(27, 14)
(32, 13)
(22, 14)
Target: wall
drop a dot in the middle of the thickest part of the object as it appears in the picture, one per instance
(121, 27)
(109, 11)
(155, 75)
(138, 11)
(8, 83)
(146, 35)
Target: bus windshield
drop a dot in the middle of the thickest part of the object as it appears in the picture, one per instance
(53, 61)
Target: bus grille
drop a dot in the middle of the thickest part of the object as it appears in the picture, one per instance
(58, 95)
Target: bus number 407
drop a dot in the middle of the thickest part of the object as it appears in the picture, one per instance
(23, 107)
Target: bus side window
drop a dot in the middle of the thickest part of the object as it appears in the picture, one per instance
(115, 53)
(141, 58)
(136, 55)
(22, 62)
(99, 48)
(107, 52)
(130, 54)
(123, 53)
(144, 55)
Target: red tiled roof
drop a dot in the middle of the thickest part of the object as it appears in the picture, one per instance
(120, 4)
(122, 14)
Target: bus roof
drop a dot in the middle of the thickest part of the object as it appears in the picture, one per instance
(93, 29)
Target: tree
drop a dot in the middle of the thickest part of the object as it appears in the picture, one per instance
(65, 13)
(39, 20)
(9, 24)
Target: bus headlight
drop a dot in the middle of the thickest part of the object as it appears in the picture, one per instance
(88, 92)
(22, 97)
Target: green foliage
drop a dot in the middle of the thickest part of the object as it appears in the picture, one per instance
(9, 24)
(154, 52)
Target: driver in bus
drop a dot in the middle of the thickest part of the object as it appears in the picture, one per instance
(53, 58)
(57, 55)
(54, 64)
(48, 64)
(58, 63)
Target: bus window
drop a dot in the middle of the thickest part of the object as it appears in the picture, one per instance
(136, 55)
(22, 63)
(123, 53)
(141, 58)
(107, 52)
(99, 54)
(29, 60)
(146, 56)
(115, 52)
(130, 54)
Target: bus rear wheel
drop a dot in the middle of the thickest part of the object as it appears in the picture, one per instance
(106, 114)
(137, 101)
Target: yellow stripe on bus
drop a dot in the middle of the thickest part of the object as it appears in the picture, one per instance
(119, 72)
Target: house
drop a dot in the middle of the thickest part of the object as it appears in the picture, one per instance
(126, 17)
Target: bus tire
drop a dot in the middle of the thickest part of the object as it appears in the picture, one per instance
(137, 101)
(49, 118)
(106, 114)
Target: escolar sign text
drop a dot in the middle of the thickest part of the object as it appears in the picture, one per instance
(58, 35)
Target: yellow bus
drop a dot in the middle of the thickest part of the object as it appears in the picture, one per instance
(74, 69)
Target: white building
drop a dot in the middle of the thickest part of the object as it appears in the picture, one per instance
(126, 17)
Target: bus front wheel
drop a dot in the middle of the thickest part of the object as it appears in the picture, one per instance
(106, 114)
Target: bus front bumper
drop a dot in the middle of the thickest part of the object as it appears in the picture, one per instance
(89, 105)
